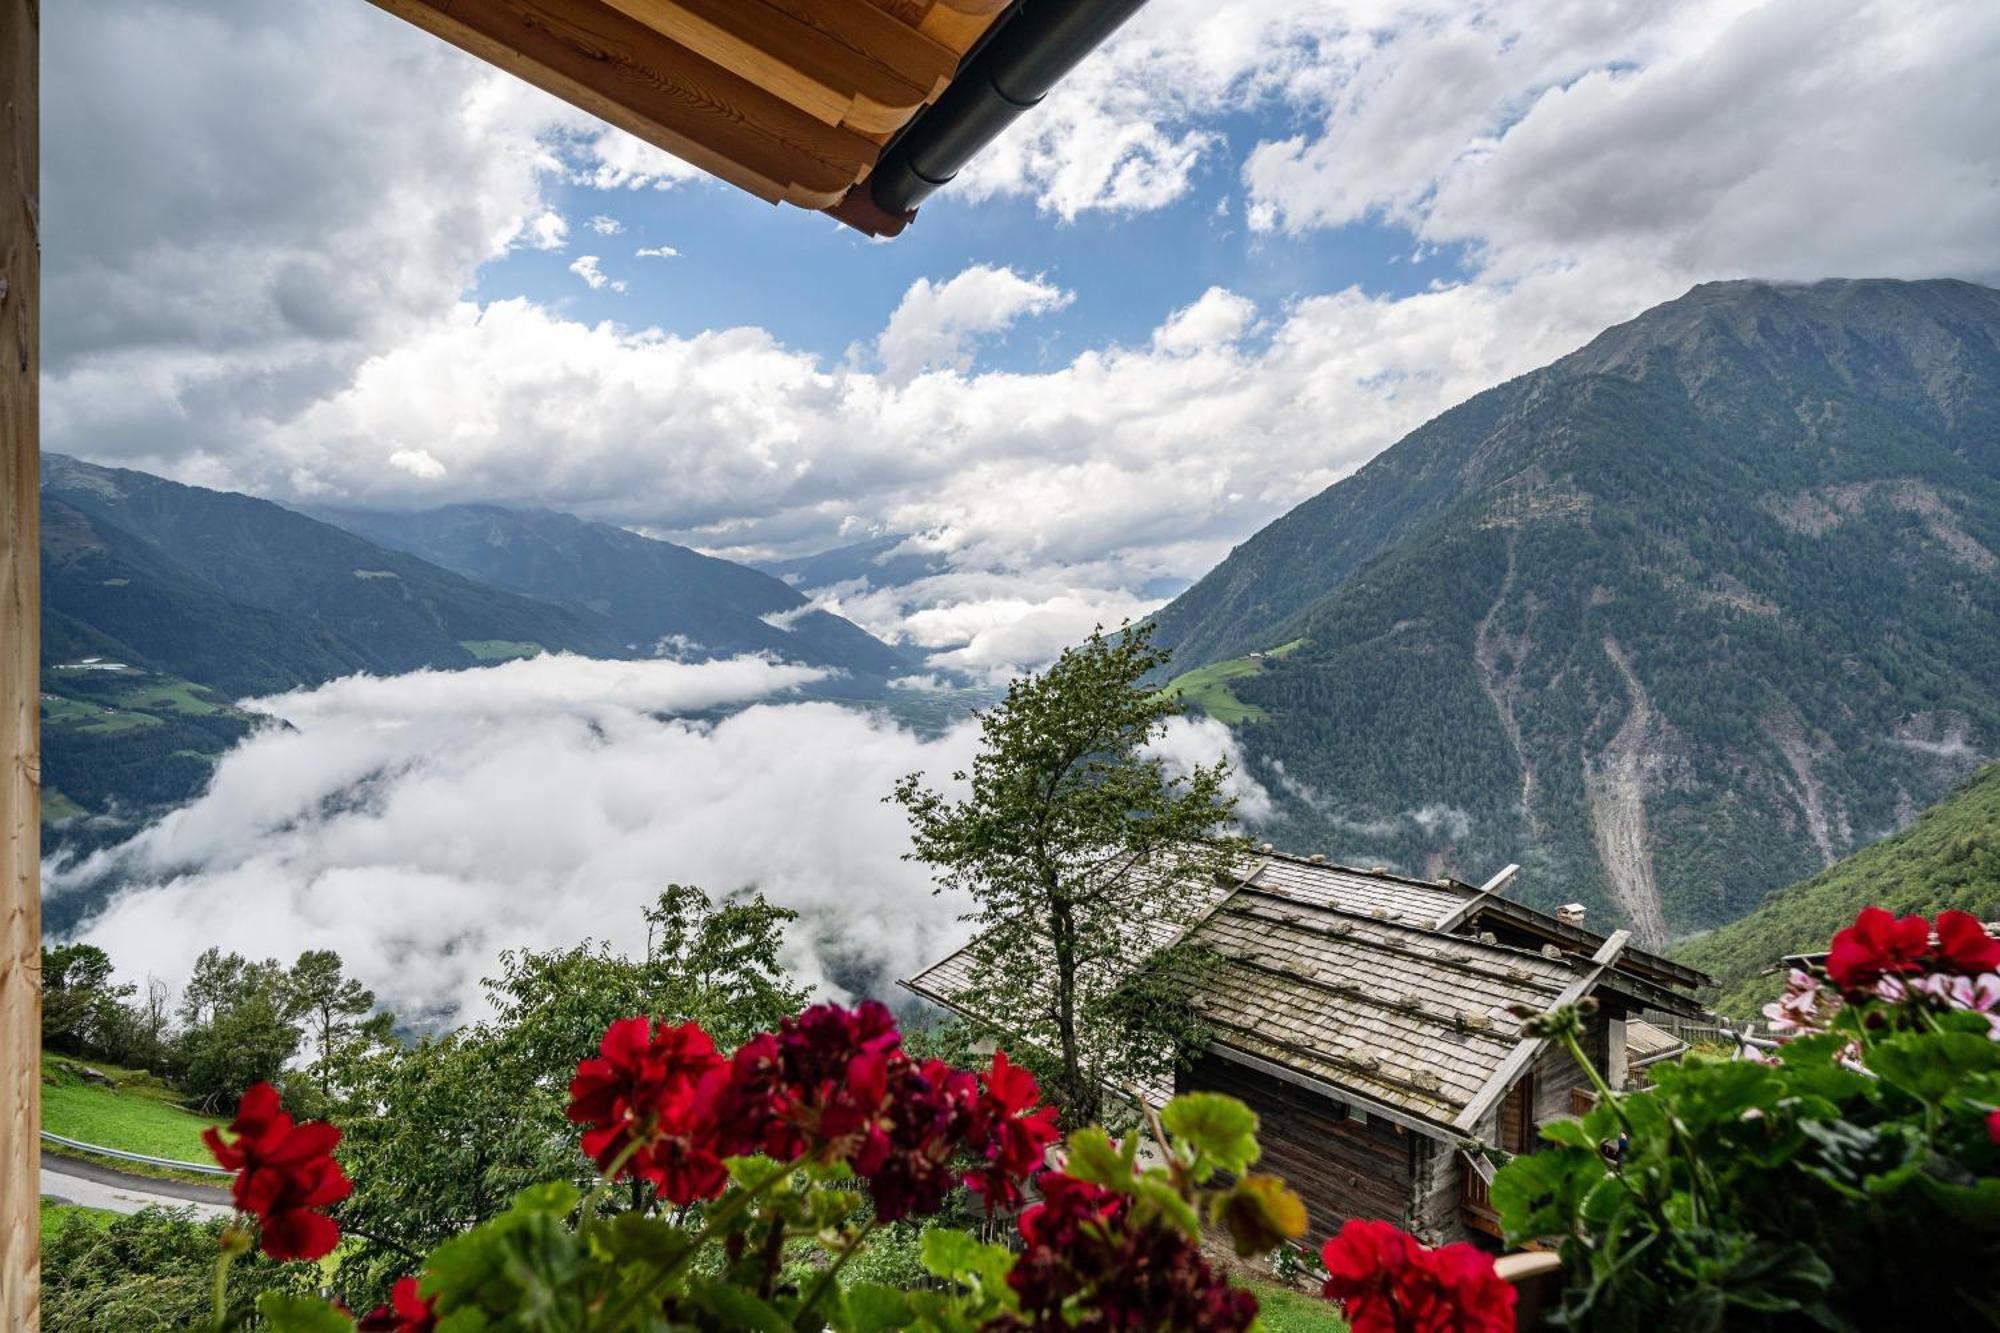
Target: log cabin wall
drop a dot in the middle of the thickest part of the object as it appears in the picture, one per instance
(1437, 1216)
(1342, 1166)
(1557, 1078)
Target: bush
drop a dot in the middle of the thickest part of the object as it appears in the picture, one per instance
(1851, 1181)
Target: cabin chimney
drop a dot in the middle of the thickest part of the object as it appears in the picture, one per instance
(1570, 914)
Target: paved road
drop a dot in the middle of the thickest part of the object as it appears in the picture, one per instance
(94, 1186)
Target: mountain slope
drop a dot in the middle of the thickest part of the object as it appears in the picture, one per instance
(1949, 858)
(397, 612)
(161, 603)
(651, 592)
(1686, 615)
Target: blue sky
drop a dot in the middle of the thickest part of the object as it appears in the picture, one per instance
(1177, 299)
(820, 287)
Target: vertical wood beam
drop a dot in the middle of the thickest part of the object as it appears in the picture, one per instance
(20, 667)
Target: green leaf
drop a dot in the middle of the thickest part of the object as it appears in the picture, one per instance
(1259, 1214)
(286, 1313)
(1221, 1130)
(1930, 1066)
(1538, 1194)
(1156, 1189)
(637, 1238)
(1093, 1157)
(557, 1198)
(869, 1307)
(738, 1308)
(955, 1255)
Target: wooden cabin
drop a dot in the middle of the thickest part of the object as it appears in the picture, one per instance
(1365, 1017)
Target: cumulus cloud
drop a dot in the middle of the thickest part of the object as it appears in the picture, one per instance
(1783, 139)
(421, 824)
(656, 252)
(605, 225)
(236, 313)
(935, 324)
(594, 277)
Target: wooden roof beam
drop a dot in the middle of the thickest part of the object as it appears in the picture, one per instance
(629, 74)
(1488, 891)
(845, 62)
(1530, 1048)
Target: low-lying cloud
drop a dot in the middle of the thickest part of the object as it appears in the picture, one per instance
(421, 824)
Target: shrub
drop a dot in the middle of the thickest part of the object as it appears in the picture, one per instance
(1850, 1181)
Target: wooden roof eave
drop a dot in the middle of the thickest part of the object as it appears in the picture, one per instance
(640, 80)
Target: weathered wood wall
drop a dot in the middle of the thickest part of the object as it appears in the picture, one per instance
(20, 684)
(1341, 1167)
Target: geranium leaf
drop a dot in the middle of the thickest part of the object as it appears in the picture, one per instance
(1221, 1130)
(870, 1308)
(286, 1313)
(1093, 1158)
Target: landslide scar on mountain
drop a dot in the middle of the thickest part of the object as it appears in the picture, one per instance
(1617, 781)
(1488, 643)
(1788, 733)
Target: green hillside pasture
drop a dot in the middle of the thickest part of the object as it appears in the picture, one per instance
(1207, 688)
(140, 1114)
(91, 718)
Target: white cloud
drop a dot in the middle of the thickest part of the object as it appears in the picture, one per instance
(656, 252)
(1782, 139)
(421, 824)
(550, 231)
(593, 277)
(935, 324)
(605, 225)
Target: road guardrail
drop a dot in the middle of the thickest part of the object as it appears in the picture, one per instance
(166, 1163)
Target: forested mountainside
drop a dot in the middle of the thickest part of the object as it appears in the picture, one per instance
(1949, 858)
(1686, 615)
(161, 603)
(651, 592)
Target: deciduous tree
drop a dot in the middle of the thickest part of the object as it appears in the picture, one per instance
(1086, 857)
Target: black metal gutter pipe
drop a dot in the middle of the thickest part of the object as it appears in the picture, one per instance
(1028, 56)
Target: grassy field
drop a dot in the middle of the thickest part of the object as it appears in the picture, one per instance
(139, 1115)
(1207, 688)
(57, 807)
(499, 650)
(94, 719)
(1289, 1310)
(171, 692)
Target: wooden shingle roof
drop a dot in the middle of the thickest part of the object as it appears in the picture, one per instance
(1397, 1014)
(1375, 987)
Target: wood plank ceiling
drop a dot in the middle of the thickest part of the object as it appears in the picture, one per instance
(792, 100)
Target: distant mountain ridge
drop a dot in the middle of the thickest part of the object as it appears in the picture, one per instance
(1685, 615)
(163, 603)
(648, 592)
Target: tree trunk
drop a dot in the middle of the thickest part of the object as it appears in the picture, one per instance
(20, 673)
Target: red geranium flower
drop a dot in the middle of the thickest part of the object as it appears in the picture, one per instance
(1875, 946)
(1388, 1283)
(650, 1099)
(407, 1312)
(1964, 946)
(1993, 1125)
(284, 1172)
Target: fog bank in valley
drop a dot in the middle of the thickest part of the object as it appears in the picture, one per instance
(421, 824)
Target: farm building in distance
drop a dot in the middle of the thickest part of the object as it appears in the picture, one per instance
(1366, 1018)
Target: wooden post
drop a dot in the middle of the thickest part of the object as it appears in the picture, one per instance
(20, 672)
